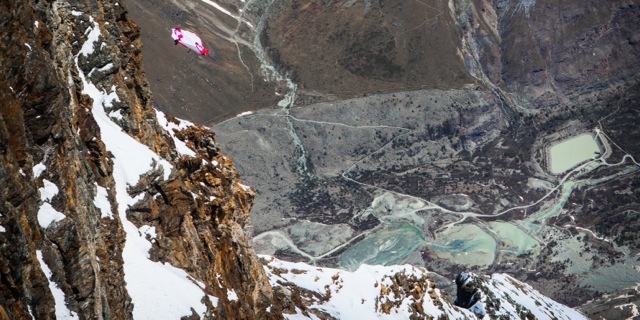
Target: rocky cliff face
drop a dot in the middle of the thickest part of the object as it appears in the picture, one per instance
(107, 209)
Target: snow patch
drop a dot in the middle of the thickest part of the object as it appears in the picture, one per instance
(28, 46)
(225, 11)
(221, 9)
(47, 214)
(48, 191)
(300, 316)
(62, 312)
(219, 281)
(149, 231)
(102, 202)
(2, 229)
(181, 147)
(116, 114)
(104, 68)
(38, 169)
(232, 295)
(92, 38)
(506, 288)
(246, 113)
(36, 24)
(214, 300)
(29, 307)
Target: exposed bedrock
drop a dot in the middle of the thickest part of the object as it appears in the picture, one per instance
(62, 232)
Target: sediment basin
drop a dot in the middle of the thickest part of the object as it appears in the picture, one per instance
(571, 152)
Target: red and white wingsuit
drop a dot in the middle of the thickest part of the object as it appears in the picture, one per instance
(189, 40)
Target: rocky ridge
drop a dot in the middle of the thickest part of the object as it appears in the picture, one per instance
(401, 292)
(77, 130)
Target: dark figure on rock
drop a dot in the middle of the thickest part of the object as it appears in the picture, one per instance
(468, 295)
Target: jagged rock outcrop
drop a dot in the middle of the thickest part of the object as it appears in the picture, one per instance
(82, 233)
(402, 292)
(468, 295)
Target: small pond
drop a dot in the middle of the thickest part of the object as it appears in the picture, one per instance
(571, 152)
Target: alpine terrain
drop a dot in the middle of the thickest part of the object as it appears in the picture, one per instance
(461, 135)
(401, 160)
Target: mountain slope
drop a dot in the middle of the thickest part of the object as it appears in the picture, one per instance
(105, 218)
(465, 169)
(115, 211)
(400, 292)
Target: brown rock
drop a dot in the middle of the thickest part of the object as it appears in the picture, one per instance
(46, 118)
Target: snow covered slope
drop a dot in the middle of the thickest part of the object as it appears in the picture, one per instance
(399, 292)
